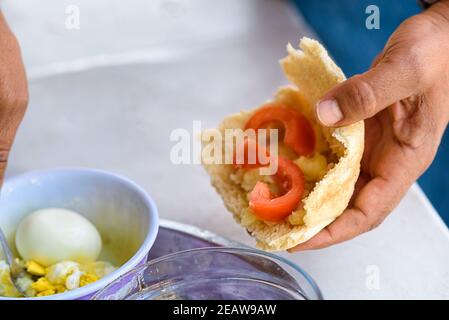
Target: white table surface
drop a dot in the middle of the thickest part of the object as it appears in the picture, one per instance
(108, 95)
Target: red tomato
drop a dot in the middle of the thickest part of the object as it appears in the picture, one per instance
(269, 208)
(299, 134)
(300, 137)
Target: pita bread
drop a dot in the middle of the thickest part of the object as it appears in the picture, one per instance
(312, 73)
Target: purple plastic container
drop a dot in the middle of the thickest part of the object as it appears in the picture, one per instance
(214, 273)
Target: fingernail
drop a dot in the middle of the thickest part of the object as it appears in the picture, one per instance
(329, 112)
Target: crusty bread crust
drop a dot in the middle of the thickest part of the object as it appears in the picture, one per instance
(313, 73)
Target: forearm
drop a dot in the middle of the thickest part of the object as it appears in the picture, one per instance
(13, 90)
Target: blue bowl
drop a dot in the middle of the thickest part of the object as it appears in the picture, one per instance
(124, 214)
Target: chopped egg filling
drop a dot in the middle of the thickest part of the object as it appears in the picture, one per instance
(57, 278)
(314, 168)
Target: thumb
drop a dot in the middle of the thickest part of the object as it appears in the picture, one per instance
(364, 95)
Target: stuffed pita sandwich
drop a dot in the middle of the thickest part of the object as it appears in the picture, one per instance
(318, 166)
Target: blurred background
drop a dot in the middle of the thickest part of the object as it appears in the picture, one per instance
(160, 31)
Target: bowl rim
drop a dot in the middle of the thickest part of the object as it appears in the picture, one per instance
(245, 250)
(129, 265)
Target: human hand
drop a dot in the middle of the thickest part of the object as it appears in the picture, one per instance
(404, 99)
(13, 91)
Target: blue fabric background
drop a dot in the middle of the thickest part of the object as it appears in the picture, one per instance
(341, 25)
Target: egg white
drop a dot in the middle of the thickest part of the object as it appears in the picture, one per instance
(51, 235)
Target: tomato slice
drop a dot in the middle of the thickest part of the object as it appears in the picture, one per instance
(269, 208)
(299, 134)
(300, 137)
